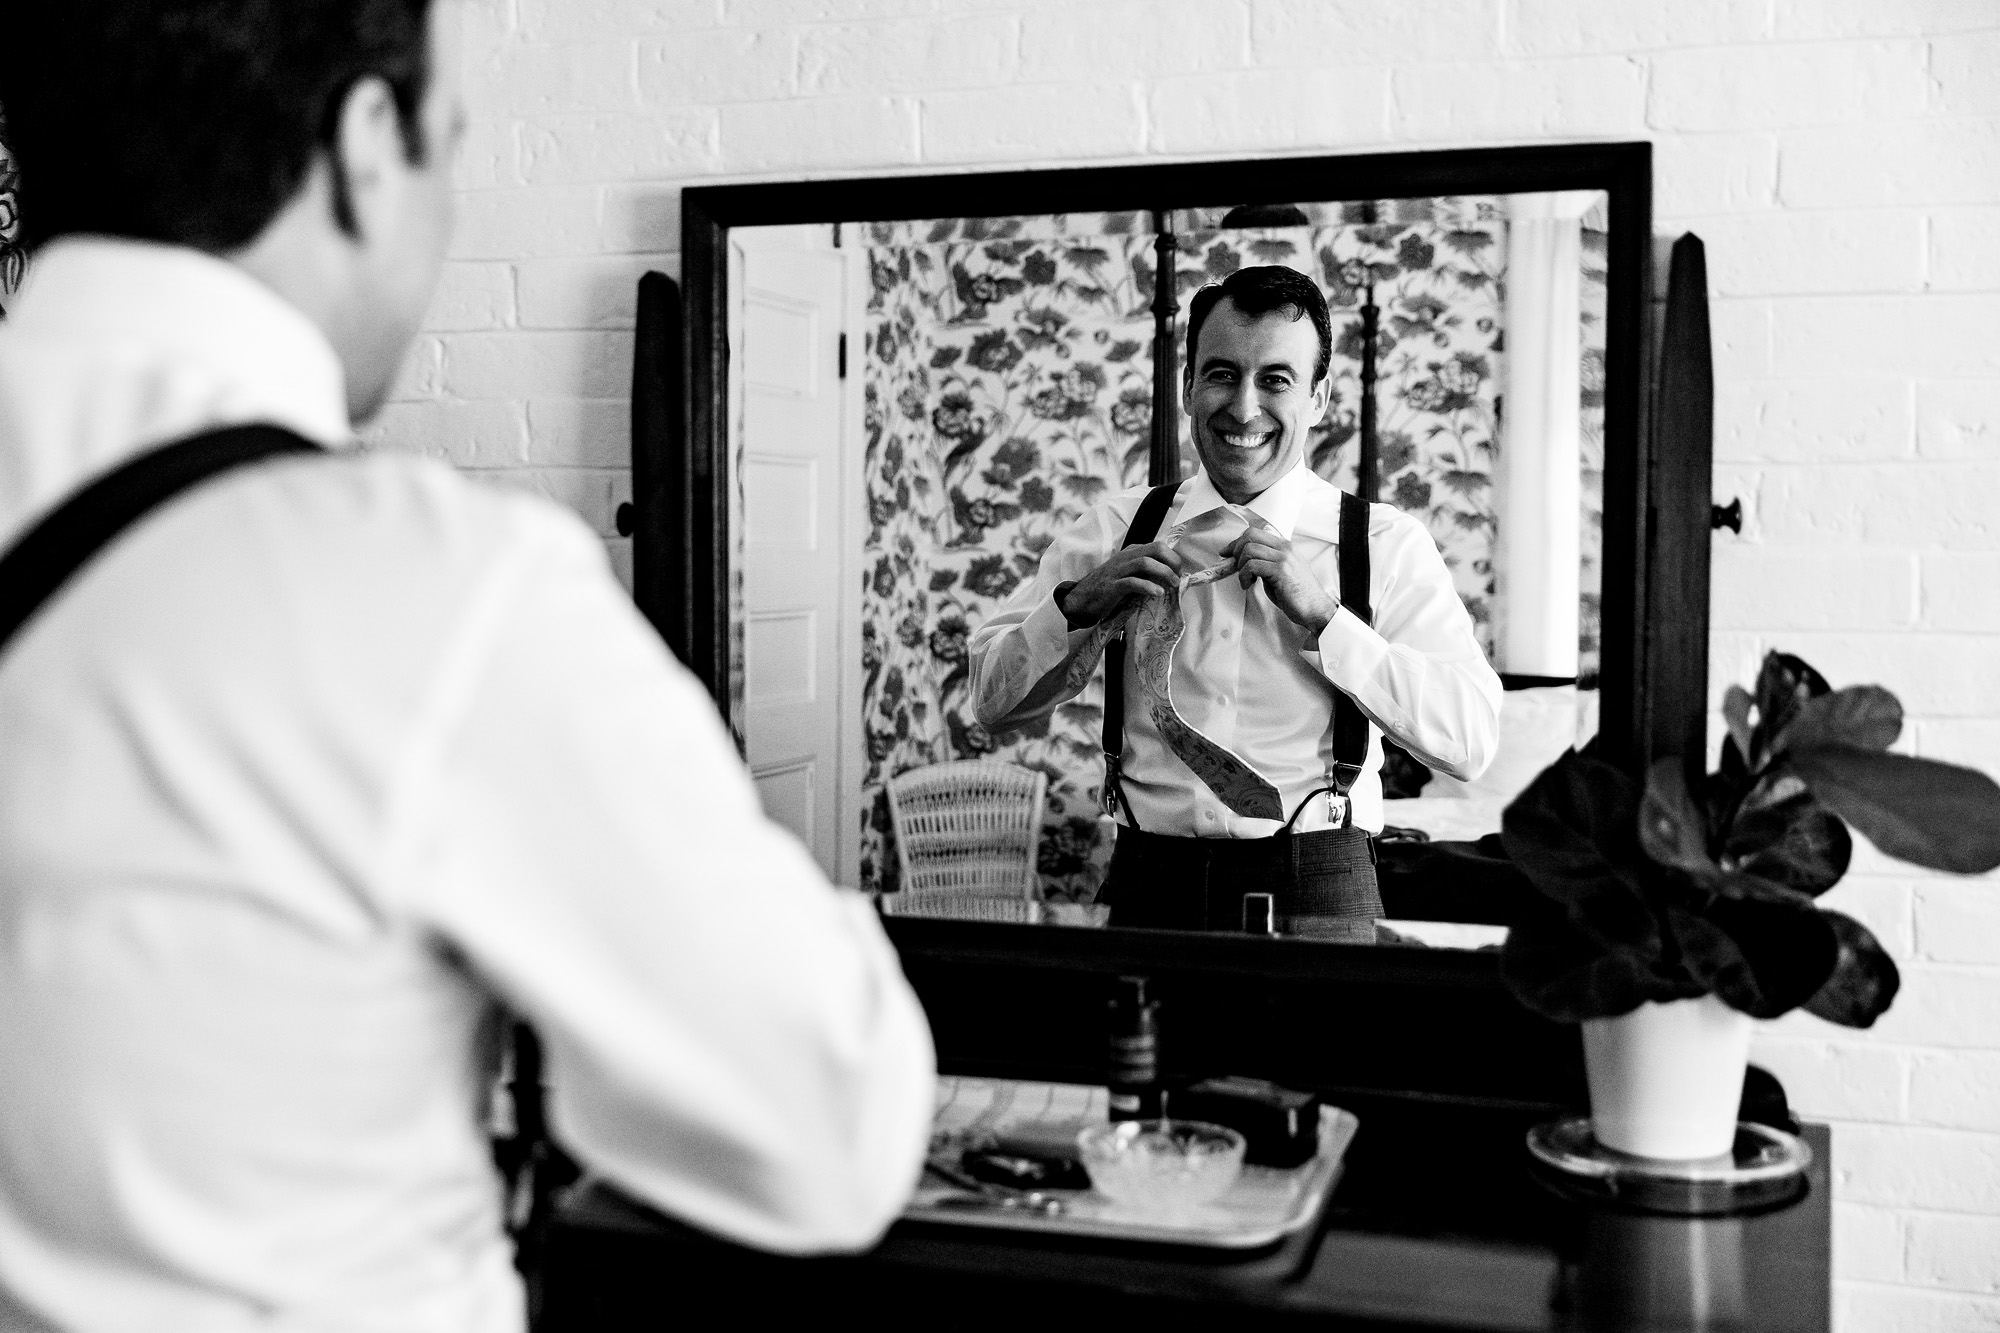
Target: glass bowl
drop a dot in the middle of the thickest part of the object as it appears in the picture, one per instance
(1161, 1168)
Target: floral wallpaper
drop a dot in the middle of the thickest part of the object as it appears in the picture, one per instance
(1008, 386)
(1595, 300)
(12, 258)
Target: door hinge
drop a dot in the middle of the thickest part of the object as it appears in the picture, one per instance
(843, 356)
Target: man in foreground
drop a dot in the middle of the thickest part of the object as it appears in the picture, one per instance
(315, 763)
(1315, 606)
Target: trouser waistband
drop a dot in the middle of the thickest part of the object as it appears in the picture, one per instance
(1322, 882)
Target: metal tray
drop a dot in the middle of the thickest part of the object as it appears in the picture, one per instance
(1265, 1205)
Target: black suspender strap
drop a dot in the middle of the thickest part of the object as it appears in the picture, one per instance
(1145, 526)
(36, 567)
(1350, 725)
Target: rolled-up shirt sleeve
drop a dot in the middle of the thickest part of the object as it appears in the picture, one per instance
(1417, 672)
(728, 1036)
(1026, 659)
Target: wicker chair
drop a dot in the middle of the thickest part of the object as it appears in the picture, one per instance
(967, 836)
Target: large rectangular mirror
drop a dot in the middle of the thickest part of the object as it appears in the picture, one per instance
(898, 390)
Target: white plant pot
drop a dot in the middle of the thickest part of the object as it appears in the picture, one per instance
(1666, 1079)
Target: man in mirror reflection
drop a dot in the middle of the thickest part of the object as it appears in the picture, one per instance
(1274, 650)
(321, 763)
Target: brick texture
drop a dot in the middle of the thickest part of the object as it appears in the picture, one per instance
(1709, 174)
(1959, 1253)
(1781, 86)
(1960, 256)
(1959, 419)
(1869, 1242)
(1591, 96)
(1850, 419)
(1836, 251)
(1096, 120)
(1841, 158)
(1214, 113)
(1134, 41)
(1293, 33)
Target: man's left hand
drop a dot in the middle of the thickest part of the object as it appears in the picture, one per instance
(1262, 553)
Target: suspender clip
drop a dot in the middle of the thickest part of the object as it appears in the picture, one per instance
(1111, 778)
(1340, 778)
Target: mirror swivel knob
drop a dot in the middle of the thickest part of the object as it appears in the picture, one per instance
(621, 519)
(1727, 516)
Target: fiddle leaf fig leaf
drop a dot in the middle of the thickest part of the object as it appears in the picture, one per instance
(1917, 810)
(1574, 834)
(1560, 972)
(1783, 834)
(1864, 980)
(1867, 717)
(1732, 767)
(1736, 884)
(1736, 706)
(1672, 828)
(1760, 957)
(1783, 683)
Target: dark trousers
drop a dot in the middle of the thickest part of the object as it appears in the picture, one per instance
(1323, 882)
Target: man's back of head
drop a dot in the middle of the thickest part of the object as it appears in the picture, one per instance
(309, 141)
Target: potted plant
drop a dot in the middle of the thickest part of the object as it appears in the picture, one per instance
(1667, 918)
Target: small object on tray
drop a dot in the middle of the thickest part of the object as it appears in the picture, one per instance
(1265, 1207)
(1765, 1166)
(982, 1194)
(1027, 1154)
(1162, 1170)
(1280, 1126)
(1025, 1171)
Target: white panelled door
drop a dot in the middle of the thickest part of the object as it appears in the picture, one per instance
(792, 412)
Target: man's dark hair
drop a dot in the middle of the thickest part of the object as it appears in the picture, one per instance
(1259, 290)
(192, 121)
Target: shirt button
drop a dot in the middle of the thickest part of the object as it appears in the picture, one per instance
(1222, 701)
(1223, 633)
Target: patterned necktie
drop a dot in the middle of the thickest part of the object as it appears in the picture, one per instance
(1157, 626)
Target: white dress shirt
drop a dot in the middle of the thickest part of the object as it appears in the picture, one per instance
(296, 780)
(1249, 678)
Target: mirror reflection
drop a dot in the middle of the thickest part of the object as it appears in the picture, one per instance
(918, 409)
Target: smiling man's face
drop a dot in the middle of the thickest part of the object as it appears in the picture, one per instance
(1251, 398)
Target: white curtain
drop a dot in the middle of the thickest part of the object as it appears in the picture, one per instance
(1537, 477)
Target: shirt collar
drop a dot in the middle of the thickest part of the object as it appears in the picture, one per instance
(1279, 505)
(171, 306)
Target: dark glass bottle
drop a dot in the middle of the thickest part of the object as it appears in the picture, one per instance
(1132, 1076)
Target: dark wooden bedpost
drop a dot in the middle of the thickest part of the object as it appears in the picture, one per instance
(1682, 494)
(1367, 479)
(1164, 464)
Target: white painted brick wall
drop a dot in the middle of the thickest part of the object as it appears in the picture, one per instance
(1840, 157)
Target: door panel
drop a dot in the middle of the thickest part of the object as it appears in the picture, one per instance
(791, 440)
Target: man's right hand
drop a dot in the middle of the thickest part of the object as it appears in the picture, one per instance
(1135, 571)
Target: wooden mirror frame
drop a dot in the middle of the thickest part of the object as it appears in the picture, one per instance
(1654, 626)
